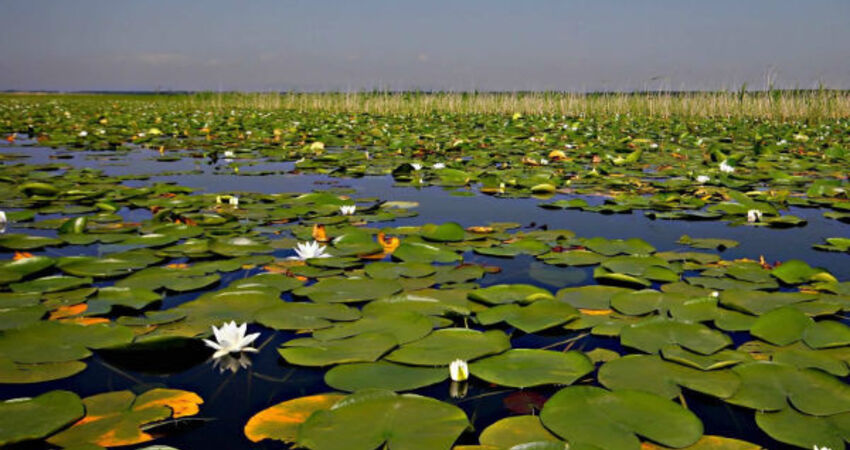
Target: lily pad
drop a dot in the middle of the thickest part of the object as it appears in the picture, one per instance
(523, 368)
(397, 421)
(591, 415)
(444, 346)
(36, 418)
(383, 375)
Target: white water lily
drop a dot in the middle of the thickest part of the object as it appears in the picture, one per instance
(347, 210)
(702, 179)
(307, 250)
(231, 338)
(416, 166)
(83, 133)
(544, 162)
(3, 221)
(715, 294)
(753, 215)
(439, 166)
(458, 370)
(229, 154)
(821, 448)
(725, 167)
(233, 200)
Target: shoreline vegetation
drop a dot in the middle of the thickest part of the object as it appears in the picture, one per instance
(767, 105)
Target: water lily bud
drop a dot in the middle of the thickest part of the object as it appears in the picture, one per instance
(458, 370)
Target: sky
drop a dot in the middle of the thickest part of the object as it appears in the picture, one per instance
(485, 45)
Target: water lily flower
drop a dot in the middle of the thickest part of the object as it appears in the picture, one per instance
(458, 370)
(233, 200)
(439, 166)
(715, 294)
(702, 179)
(367, 155)
(307, 250)
(83, 133)
(231, 338)
(725, 167)
(347, 210)
(2, 222)
(821, 448)
(544, 162)
(229, 154)
(416, 166)
(753, 215)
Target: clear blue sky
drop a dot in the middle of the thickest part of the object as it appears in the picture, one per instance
(428, 44)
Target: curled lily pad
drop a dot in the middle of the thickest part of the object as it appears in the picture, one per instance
(524, 368)
(36, 418)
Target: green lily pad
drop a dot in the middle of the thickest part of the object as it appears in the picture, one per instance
(13, 241)
(304, 316)
(781, 326)
(364, 347)
(524, 368)
(765, 386)
(445, 232)
(650, 373)
(342, 290)
(595, 416)
(397, 421)
(405, 326)
(537, 316)
(49, 341)
(35, 418)
(510, 293)
(802, 430)
(512, 432)
(652, 335)
(422, 252)
(383, 375)
(444, 346)
(15, 373)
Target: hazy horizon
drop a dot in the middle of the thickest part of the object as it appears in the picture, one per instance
(496, 45)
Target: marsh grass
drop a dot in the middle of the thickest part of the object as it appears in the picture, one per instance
(772, 104)
(781, 105)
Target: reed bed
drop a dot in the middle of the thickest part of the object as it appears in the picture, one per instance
(781, 105)
(769, 105)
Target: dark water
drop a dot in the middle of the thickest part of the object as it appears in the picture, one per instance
(230, 399)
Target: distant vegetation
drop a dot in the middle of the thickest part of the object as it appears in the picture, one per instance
(773, 104)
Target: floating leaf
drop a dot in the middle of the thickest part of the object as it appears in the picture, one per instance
(523, 368)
